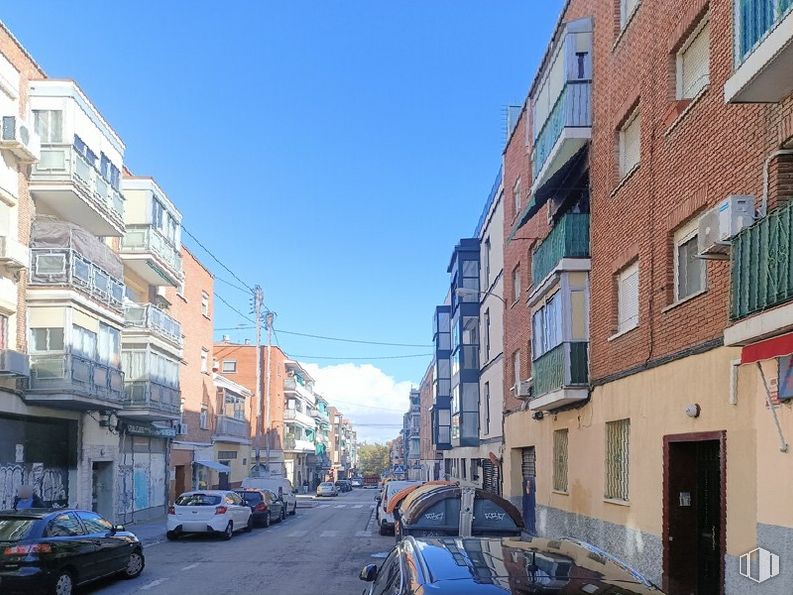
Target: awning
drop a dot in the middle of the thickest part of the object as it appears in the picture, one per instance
(768, 349)
(213, 465)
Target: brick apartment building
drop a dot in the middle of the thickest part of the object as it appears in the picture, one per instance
(431, 459)
(639, 430)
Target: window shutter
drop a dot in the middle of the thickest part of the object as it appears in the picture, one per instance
(631, 144)
(628, 305)
(694, 64)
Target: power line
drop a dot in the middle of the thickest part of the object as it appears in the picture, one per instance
(215, 258)
(361, 358)
(234, 285)
(327, 338)
(222, 299)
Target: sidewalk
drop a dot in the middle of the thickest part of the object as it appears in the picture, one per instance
(149, 532)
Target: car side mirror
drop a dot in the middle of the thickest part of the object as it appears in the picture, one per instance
(118, 528)
(368, 573)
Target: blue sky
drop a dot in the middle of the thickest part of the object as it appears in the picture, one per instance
(331, 151)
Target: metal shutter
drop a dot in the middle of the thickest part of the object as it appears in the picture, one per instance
(694, 68)
(490, 477)
(628, 297)
(528, 463)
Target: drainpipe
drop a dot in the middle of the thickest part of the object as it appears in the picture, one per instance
(766, 167)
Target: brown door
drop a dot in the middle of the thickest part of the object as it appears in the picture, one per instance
(694, 554)
(180, 486)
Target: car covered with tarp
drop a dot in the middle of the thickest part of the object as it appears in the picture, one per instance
(452, 510)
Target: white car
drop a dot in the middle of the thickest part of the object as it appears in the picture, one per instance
(278, 485)
(208, 511)
(386, 519)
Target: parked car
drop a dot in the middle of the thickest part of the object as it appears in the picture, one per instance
(327, 488)
(209, 511)
(266, 507)
(343, 485)
(493, 566)
(55, 551)
(357, 482)
(278, 485)
(385, 518)
(371, 481)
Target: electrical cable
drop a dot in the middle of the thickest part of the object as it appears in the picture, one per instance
(234, 285)
(327, 338)
(222, 299)
(295, 356)
(215, 258)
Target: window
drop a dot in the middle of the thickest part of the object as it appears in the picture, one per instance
(487, 263)
(617, 459)
(546, 326)
(628, 298)
(689, 270)
(203, 418)
(627, 8)
(487, 407)
(49, 125)
(516, 369)
(487, 335)
(516, 283)
(94, 523)
(560, 460)
(3, 331)
(64, 525)
(180, 288)
(205, 303)
(46, 339)
(693, 70)
(84, 342)
(230, 366)
(204, 360)
(227, 455)
(516, 196)
(630, 143)
(82, 149)
(109, 345)
(389, 577)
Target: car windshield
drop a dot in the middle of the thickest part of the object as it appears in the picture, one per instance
(251, 497)
(14, 529)
(198, 500)
(326, 484)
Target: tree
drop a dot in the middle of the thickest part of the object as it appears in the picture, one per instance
(373, 459)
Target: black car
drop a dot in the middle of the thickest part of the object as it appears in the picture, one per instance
(266, 507)
(495, 566)
(54, 551)
(343, 485)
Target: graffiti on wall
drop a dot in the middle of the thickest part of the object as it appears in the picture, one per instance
(50, 483)
(125, 501)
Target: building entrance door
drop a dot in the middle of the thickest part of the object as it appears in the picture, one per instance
(102, 488)
(529, 473)
(694, 509)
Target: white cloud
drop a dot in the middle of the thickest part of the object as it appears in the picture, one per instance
(373, 400)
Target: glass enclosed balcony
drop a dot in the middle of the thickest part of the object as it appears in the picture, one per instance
(560, 376)
(151, 400)
(148, 318)
(65, 182)
(763, 52)
(231, 429)
(154, 257)
(304, 419)
(569, 238)
(71, 381)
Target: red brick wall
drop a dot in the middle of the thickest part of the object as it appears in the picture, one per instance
(425, 419)
(688, 163)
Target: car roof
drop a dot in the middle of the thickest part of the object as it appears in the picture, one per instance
(207, 492)
(40, 513)
(566, 564)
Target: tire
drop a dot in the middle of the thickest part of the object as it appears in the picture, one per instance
(249, 526)
(135, 565)
(172, 536)
(63, 583)
(283, 512)
(383, 530)
(294, 510)
(267, 520)
(229, 532)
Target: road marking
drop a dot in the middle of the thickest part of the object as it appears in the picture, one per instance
(324, 506)
(153, 584)
(363, 534)
(340, 506)
(329, 534)
(358, 506)
(190, 567)
(297, 534)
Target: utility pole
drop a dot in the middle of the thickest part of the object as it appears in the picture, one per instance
(268, 322)
(258, 302)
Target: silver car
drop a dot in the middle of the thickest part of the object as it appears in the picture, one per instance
(327, 488)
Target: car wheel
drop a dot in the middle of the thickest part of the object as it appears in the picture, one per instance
(249, 526)
(267, 519)
(294, 510)
(64, 584)
(229, 532)
(134, 565)
(172, 536)
(283, 512)
(383, 530)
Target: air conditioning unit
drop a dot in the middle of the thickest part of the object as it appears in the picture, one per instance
(19, 137)
(720, 224)
(13, 254)
(524, 388)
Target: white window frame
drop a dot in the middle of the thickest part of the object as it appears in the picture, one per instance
(232, 369)
(686, 233)
(680, 92)
(625, 168)
(203, 418)
(204, 360)
(516, 289)
(516, 370)
(626, 13)
(516, 197)
(623, 326)
(205, 303)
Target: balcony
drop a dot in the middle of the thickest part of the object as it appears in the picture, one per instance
(66, 183)
(567, 129)
(763, 52)
(291, 385)
(68, 269)
(761, 284)
(14, 363)
(292, 444)
(14, 255)
(568, 239)
(150, 400)
(71, 381)
(560, 376)
(146, 318)
(299, 417)
(231, 429)
(151, 255)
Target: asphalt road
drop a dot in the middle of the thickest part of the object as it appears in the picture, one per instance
(321, 550)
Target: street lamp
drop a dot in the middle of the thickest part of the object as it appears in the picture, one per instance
(466, 292)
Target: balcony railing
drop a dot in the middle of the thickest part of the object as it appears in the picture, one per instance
(568, 239)
(299, 417)
(564, 366)
(68, 268)
(149, 239)
(762, 264)
(292, 443)
(292, 385)
(70, 373)
(755, 20)
(149, 317)
(572, 109)
(231, 426)
(148, 394)
(61, 163)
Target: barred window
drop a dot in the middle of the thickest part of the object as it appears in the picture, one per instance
(560, 460)
(617, 459)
